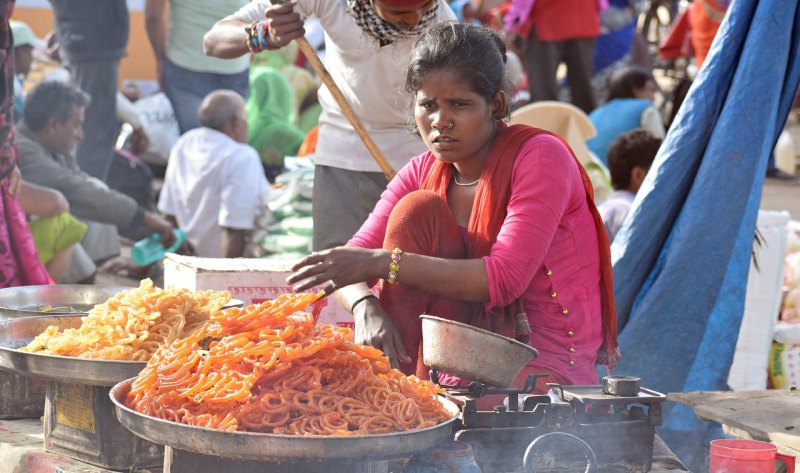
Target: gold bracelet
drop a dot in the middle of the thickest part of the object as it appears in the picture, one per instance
(394, 266)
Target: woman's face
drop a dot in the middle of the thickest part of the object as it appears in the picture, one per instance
(456, 123)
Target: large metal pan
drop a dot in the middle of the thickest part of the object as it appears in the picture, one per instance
(16, 333)
(71, 299)
(472, 353)
(273, 447)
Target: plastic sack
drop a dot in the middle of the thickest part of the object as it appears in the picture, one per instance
(784, 365)
(161, 126)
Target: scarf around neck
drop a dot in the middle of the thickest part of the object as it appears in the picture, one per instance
(489, 212)
(372, 24)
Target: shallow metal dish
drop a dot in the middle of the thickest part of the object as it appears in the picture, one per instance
(472, 353)
(16, 333)
(60, 299)
(273, 447)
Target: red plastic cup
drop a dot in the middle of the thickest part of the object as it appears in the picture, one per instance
(746, 456)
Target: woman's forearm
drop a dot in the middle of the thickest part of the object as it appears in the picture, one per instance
(348, 295)
(464, 280)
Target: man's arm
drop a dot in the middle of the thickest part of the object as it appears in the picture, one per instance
(233, 241)
(88, 198)
(156, 33)
(228, 39)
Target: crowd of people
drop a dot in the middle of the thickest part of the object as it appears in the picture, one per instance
(487, 223)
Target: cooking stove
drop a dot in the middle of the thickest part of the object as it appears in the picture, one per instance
(604, 428)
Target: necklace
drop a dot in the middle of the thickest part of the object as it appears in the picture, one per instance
(466, 184)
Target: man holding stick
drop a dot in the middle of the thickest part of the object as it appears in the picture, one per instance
(367, 50)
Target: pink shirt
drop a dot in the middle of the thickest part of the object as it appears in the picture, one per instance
(546, 253)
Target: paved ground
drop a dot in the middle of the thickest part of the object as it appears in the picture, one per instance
(782, 195)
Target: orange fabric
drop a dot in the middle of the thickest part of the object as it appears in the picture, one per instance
(678, 42)
(309, 145)
(703, 28)
(489, 212)
(421, 223)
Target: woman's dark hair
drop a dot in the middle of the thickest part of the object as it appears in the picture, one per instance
(623, 81)
(636, 148)
(475, 53)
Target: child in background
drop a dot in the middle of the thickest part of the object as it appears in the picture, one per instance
(629, 159)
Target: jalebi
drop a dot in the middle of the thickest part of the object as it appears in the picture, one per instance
(133, 324)
(268, 368)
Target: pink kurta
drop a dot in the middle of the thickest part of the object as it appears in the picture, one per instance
(546, 253)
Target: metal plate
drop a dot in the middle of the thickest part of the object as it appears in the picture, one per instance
(595, 395)
(70, 299)
(273, 447)
(16, 333)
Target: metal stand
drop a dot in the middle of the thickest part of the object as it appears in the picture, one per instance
(79, 423)
(21, 397)
(179, 461)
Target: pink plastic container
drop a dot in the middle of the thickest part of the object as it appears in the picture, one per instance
(745, 456)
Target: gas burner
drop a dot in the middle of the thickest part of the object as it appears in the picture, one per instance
(466, 394)
(610, 427)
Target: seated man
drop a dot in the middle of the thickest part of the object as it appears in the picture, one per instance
(48, 137)
(629, 159)
(214, 180)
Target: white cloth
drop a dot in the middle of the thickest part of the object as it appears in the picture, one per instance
(212, 182)
(614, 210)
(372, 80)
(652, 122)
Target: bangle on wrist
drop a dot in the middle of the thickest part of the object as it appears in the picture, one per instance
(394, 265)
(258, 37)
(360, 300)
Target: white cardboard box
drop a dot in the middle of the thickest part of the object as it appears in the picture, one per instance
(251, 280)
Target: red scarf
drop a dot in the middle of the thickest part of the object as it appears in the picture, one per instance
(489, 212)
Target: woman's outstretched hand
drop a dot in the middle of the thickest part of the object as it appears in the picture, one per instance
(341, 266)
(375, 328)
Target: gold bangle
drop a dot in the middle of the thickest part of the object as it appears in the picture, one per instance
(394, 266)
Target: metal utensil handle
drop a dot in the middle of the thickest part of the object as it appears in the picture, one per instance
(311, 54)
(591, 458)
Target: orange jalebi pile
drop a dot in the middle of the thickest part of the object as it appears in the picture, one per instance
(268, 368)
(133, 324)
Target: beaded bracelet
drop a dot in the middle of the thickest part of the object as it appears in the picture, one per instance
(258, 37)
(394, 266)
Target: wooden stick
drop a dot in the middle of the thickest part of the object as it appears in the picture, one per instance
(327, 79)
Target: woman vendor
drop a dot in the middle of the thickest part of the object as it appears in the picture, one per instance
(494, 226)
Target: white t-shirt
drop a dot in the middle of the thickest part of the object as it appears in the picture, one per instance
(371, 78)
(212, 182)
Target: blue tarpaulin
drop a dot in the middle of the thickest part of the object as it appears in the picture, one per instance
(682, 256)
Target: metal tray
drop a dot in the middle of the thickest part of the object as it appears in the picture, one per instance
(63, 299)
(16, 333)
(595, 395)
(273, 447)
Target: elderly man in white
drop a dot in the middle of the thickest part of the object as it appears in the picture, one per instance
(214, 180)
